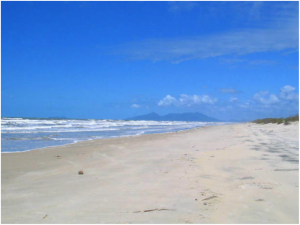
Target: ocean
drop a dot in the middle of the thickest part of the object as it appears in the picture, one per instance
(23, 134)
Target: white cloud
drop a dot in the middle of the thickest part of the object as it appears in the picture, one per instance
(167, 101)
(187, 100)
(135, 106)
(190, 100)
(264, 104)
(287, 92)
(265, 98)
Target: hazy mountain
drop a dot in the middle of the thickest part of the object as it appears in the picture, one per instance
(150, 116)
(175, 117)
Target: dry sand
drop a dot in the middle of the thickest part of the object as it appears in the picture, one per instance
(242, 173)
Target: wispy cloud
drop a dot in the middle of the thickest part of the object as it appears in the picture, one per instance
(232, 99)
(230, 91)
(175, 7)
(135, 106)
(261, 62)
(280, 33)
(247, 62)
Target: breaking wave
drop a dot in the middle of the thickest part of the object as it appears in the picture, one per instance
(22, 134)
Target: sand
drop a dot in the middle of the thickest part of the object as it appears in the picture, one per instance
(241, 173)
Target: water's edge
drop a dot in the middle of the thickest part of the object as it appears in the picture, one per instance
(22, 134)
(76, 142)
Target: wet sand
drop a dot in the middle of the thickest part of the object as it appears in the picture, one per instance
(241, 173)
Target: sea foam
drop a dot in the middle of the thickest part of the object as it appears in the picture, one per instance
(23, 134)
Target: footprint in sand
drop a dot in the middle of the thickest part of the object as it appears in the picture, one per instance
(262, 185)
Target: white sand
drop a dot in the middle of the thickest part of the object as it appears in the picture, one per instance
(243, 173)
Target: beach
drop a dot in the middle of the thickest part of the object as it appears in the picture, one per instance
(237, 173)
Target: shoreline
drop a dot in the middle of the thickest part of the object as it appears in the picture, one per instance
(36, 135)
(137, 135)
(236, 173)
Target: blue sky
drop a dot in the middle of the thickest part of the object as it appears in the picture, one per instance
(113, 60)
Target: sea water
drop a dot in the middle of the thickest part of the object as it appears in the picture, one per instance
(23, 134)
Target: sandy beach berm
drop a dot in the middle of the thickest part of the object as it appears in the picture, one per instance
(239, 173)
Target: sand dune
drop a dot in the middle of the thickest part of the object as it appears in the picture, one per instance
(241, 173)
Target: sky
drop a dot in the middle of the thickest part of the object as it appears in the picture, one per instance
(114, 60)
